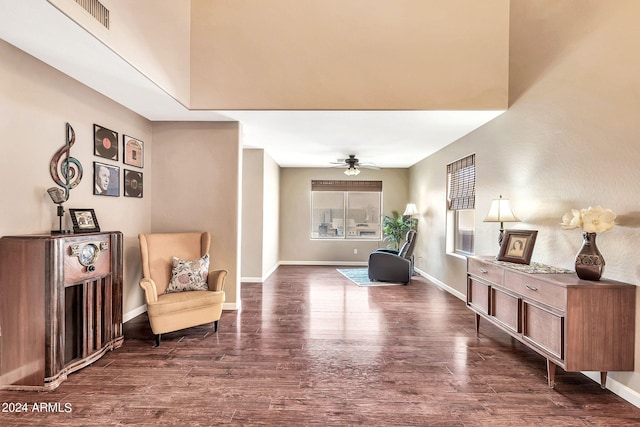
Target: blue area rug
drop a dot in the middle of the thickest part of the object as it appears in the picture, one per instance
(360, 277)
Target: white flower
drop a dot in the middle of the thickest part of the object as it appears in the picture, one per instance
(591, 220)
(572, 219)
(597, 220)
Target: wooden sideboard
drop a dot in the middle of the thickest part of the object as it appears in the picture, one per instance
(575, 324)
(60, 305)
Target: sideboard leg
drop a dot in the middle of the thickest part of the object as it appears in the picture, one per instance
(551, 373)
(603, 379)
(477, 323)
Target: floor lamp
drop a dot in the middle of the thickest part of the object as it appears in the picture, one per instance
(412, 211)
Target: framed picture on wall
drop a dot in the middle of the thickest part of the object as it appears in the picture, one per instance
(132, 183)
(105, 142)
(106, 179)
(133, 150)
(517, 246)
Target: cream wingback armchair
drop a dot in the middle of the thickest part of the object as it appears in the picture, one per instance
(170, 307)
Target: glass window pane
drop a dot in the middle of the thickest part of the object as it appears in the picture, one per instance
(346, 214)
(327, 216)
(363, 215)
(464, 230)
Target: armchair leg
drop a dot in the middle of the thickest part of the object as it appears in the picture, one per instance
(215, 327)
(157, 340)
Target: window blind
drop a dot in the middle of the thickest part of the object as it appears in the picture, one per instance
(333, 185)
(461, 175)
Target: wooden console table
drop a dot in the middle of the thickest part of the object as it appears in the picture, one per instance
(575, 324)
(60, 306)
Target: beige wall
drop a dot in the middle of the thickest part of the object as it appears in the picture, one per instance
(295, 217)
(271, 217)
(152, 35)
(35, 103)
(260, 215)
(197, 186)
(569, 140)
(252, 214)
(356, 54)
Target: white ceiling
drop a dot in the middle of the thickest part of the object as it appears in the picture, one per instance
(291, 138)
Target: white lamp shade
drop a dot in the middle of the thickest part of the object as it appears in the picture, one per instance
(411, 210)
(500, 211)
(352, 171)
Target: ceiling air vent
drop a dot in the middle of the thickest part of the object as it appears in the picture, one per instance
(97, 10)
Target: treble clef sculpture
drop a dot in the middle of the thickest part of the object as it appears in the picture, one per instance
(66, 171)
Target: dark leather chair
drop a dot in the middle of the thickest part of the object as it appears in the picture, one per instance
(387, 265)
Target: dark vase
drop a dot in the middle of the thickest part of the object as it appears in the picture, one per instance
(589, 261)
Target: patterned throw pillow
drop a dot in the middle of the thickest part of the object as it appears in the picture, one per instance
(189, 275)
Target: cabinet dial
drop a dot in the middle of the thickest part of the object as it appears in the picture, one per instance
(88, 254)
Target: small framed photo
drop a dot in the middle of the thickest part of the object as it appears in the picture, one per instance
(106, 179)
(517, 246)
(105, 142)
(133, 151)
(84, 221)
(132, 183)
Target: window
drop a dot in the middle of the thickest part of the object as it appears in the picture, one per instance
(464, 229)
(346, 209)
(461, 198)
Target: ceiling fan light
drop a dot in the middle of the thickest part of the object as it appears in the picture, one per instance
(352, 171)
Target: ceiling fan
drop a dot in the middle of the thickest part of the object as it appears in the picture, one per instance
(353, 165)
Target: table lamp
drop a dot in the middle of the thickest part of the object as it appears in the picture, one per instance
(500, 211)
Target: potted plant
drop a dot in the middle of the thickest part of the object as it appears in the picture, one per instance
(395, 227)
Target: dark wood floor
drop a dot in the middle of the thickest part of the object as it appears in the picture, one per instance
(311, 348)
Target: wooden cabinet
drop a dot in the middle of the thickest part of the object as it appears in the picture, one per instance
(575, 324)
(60, 305)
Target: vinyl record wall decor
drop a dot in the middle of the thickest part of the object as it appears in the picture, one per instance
(105, 142)
(133, 150)
(107, 176)
(132, 183)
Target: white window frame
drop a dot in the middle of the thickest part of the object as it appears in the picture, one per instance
(341, 226)
(461, 206)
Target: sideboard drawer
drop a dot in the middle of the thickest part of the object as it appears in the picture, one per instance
(505, 308)
(537, 290)
(485, 270)
(543, 329)
(478, 295)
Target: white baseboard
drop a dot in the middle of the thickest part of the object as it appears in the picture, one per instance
(260, 279)
(270, 272)
(442, 285)
(134, 313)
(628, 394)
(351, 263)
(231, 306)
